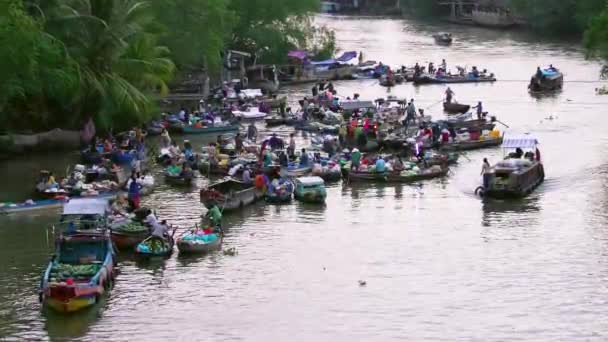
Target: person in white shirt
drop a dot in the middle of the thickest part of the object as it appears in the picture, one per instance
(158, 229)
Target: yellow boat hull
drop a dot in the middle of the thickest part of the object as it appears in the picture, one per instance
(71, 305)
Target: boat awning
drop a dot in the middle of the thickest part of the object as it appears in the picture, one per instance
(351, 105)
(251, 93)
(325, 62)
(86, 206)
(311, 181)
(513, 141)
(298, 54)
(347, 56)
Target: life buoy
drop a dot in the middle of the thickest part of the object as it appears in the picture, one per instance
(480, 191)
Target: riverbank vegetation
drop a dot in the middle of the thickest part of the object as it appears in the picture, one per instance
(64, 61)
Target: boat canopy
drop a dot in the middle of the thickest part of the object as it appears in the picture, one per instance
(311, 181)
(351, 105)
(251, 93)
(86, 206)
(513, 141)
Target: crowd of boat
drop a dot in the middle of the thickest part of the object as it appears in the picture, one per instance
(385, 140)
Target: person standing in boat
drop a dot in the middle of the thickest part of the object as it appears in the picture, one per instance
(479, 108)
(360, 57)
(252, 132)
(410, 112)
(291, 149)
(215, 216)
(539, 73)
(444, 65)
(355, 159)
(449, 94)
(165, 139)
(134, 193)
(486, 172)
(315, 91)
(238, 143)
(304, 161)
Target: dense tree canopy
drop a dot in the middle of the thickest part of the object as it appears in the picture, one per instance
(64, 61)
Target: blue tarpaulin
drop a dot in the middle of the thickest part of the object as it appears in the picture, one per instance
(347, 56)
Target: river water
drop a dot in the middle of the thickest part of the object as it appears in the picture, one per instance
(439, 263)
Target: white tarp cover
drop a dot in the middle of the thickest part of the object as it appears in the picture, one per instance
(513, 141)
(86, 206)
(311, 181)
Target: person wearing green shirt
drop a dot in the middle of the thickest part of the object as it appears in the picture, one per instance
(215, 215)
(355, 159)
(267, 159)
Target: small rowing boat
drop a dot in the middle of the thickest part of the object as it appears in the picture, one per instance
(443, 38)
(178, 179)
(398, 177)
(127, 234)
(154, 246)
(430, 79)
(229, 194)
(455, 108)
(210, 129)
(199, 242)
(472, 144)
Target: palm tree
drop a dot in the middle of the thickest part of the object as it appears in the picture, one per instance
(119, 61)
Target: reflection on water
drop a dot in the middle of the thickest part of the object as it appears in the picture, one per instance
(439, 262)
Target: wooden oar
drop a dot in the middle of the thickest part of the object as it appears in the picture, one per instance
(502, 123)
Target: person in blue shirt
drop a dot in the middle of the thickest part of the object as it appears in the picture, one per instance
(380, 165)
(304, 158)
(188, 153)
(134, 193)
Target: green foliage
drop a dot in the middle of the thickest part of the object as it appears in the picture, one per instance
(64, 61)
(559, 17)
(596, 38)
(271, 28)
(421, 8)
(195, 30)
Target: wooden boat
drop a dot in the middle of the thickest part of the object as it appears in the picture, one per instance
(210, 129)
(330, 175)
(281, 195)
(310, 190)
(275, 121)
(442, 159)
(126, 235)
(195, 243)
(443, 38)
(298, 170)
(178, 180)
(397, 177)
(473, 125)
(82, 269)
(455, 108)
(550, 80)
(430, 79)
(386, 81)
(515, 177)
(471, 144)
(229, 194)
(153, 246)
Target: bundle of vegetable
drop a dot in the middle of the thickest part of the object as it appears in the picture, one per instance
(61, 272)
(154, 246)
(131, 228)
